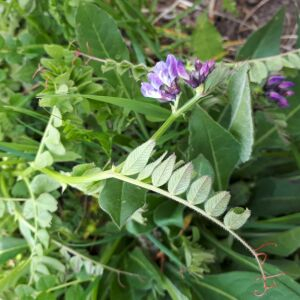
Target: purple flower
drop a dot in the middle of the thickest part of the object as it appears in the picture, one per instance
(163, 80)
(200, 73)
(277, 89)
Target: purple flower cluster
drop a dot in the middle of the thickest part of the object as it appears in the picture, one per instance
(163, 79)
(202, 70)
(277, 89)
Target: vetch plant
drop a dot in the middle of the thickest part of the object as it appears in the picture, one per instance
(136, 162)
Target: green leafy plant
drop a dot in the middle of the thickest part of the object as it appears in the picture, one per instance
(124, 175)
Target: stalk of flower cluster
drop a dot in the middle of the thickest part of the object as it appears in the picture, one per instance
(177, 113)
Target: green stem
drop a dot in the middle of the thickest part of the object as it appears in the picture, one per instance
(176, 114)
(42, 143)
(33, 199)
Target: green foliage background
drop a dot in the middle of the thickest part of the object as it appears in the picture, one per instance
(71, 111)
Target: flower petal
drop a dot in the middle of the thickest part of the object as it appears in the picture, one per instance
(172, 66)
(286, 84)
(275, 79)
(283, 102)
(181, 71)
(149, 91)
(155, 81)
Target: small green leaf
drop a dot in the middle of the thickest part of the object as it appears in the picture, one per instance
(52, 141)
(147, 171)
(236, 217)
(138, 158)
(217, 204)
(258, 72)
(43, 184)
(43, 236)
(206, 40)
(163, 172)
(265, 41)
(120, 200)
(43, 160)
(274, 64)
(57, 117)
(46, 201)
(294, 59)
(180, 179)
(199, 190)
(42, 206)
(55, 51)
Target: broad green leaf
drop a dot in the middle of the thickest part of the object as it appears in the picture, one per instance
(274, 197)
(217, 204)
(180, 179)
(43, 184)
(98, 34)
(217, 144)
(10, 247)
(138, 158)
(163, 172)
(258, 71)
(241, 123)
(138, 263)
(287, 242)
(140, 106)
(265, 41)
(43, 160)
(203, 167)
(206, 40)
(199, 190)
(120, 200)
(168, 214)
(147, 171)
(236, 217)
(241, 285)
